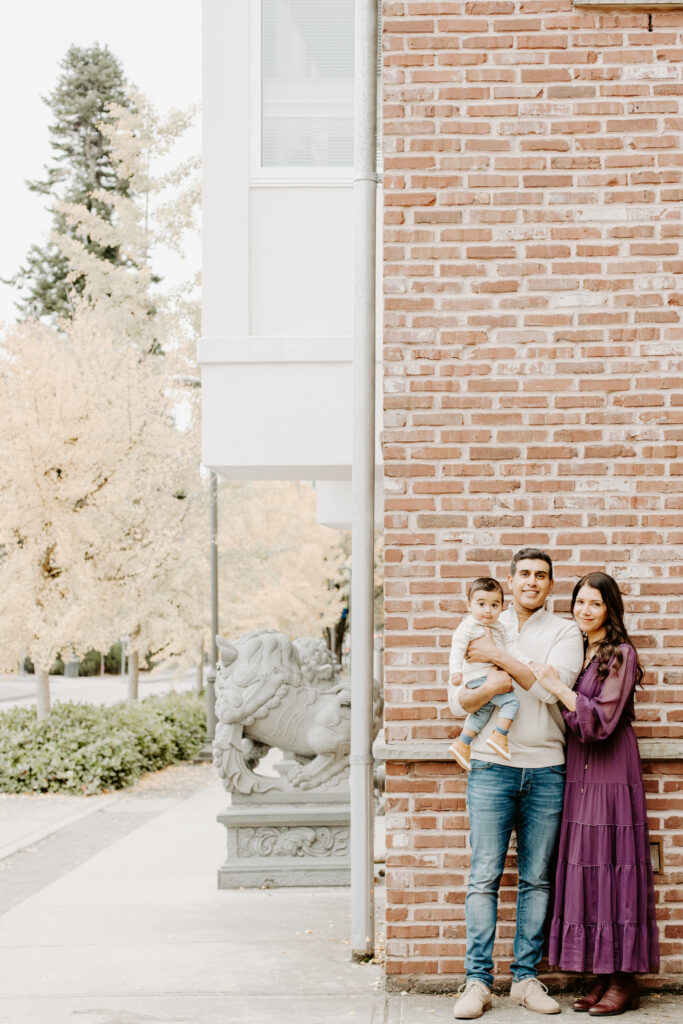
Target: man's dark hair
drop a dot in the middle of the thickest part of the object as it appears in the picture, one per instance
(484, 583)
(531, 553)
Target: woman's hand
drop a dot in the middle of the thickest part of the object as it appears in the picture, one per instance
(547, 676)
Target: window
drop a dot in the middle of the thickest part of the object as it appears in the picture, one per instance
(307, 83)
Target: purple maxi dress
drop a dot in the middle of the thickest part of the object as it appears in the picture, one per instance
(604, 910)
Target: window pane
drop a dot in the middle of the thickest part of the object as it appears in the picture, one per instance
(307, 83)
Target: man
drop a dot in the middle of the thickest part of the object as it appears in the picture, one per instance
(524, 794)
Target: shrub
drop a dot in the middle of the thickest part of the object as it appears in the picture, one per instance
(87, 748)
(90, 664)
(56, 669)
(112, 660)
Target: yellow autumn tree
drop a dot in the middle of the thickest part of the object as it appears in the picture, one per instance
(277, 564)
(104, 510)
(95, 490)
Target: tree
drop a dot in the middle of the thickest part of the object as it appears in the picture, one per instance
(335, 634)
(276, 566)
(94, 493)
(276, 561)
(103, 477)
(91, 83)
(103, 531)
(155, 611)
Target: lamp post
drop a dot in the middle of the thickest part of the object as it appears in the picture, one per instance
(206, 753)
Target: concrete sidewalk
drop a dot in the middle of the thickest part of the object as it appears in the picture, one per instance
(26, 819)
(115, 918)
(138, 931)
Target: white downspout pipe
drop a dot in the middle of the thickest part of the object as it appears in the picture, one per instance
(363, 482)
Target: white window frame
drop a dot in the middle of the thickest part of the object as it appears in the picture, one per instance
(268, 176)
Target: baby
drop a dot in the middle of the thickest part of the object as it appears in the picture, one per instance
(485, 603)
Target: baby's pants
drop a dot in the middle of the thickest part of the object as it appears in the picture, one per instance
(506, 703)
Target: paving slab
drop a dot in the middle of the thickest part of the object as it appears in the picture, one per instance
(199, 1008)
(432, 1009)
(123, 923)
(77, 925)
(59, 833)
(139, 932)
(28, 818)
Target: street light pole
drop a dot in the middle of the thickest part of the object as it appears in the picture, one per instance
(206, 753)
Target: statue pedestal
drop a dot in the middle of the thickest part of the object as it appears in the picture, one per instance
(286, 843)
(272, 696)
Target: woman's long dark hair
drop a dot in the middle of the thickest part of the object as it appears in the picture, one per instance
(615, 630)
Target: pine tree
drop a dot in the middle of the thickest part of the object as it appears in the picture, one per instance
(92, 81)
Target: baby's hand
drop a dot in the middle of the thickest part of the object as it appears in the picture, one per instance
(455, 679)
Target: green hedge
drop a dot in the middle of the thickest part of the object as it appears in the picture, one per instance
(88, 748)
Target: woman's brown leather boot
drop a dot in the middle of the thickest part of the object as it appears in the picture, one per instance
(622, 995)
(601, 985)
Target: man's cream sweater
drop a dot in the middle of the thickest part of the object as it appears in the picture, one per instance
(537, 734)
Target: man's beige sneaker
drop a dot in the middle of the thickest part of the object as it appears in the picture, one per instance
(475, 998)
(532, 993)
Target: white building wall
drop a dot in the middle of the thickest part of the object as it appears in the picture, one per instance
(301, 260)
(277, 309)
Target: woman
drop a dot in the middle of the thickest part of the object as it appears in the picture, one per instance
(604, 911)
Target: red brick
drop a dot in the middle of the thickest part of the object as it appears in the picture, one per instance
(532, 392)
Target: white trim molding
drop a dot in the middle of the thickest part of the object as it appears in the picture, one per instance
(257, 349)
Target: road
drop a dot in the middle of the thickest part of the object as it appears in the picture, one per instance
(19, 690)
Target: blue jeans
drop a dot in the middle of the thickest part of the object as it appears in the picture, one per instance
(501, 798)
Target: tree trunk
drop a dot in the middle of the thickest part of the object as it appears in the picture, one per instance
(133, 675)
(42, 693)
(200, 669)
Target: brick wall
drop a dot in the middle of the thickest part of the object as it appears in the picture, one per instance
(532, 331)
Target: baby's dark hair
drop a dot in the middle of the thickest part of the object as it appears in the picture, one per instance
(484, 583)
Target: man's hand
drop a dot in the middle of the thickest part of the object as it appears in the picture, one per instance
(499, 682)
(496, 682)
(484, 648)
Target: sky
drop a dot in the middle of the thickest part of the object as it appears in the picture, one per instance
(159, 44)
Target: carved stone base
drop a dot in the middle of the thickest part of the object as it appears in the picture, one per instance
(334, 792)
(286, 845)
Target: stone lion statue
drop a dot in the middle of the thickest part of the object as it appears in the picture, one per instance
(271, 692)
